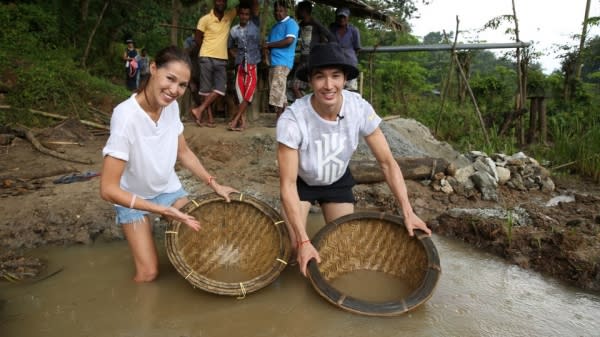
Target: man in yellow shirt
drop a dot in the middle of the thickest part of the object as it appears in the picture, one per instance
(212, 32)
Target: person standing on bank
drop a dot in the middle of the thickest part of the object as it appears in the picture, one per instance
(312, 32)
(211, 36)
(348, 38)
(130, 56)
(138, 174)
(244, 47)
(317, 136)
(281, 45)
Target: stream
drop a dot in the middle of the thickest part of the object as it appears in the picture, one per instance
(478, 294)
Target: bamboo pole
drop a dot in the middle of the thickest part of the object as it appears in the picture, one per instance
(447, 81)
(464, 77)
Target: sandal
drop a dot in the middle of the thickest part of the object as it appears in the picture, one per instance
(211, 125)
(196, 120)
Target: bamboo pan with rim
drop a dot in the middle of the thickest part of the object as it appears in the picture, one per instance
(246, 236)
(375, 242)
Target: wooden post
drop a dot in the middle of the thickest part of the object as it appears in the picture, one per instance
(543, 121)
(533, 120)
(538, 129)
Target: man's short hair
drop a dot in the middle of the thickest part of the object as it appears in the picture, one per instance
(245, 4)
(280, 3)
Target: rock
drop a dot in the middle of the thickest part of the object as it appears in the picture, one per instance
(462, 174)
(472, 155)
(486, 184)
(548, 185)
(503, 175)
(541, 171)
(499, 157)
(451, 169)
(454, 183)
(487, 165)
(514, 162)
(446, 187)
(558, 199)
(516, 182)
(519, 156)
(519, 216)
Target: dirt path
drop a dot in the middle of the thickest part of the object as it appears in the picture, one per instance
(563, 240)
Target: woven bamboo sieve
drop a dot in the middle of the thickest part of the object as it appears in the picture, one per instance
(375, 242)
(242, 246)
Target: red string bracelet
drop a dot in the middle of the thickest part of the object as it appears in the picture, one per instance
(210, 180)
(301, 243)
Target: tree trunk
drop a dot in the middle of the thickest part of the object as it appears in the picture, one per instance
(522, 94)
(93, 33)
(533, 120)
(448, 77)
(175, 14)
(369, 171)
(582, 41)
(84, 9)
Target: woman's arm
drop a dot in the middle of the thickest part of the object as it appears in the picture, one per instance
(395, 180)
(111, 191)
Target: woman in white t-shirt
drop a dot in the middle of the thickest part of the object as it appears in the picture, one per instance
(138, 172)
(317, 136)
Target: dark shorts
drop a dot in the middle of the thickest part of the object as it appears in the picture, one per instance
(339, 192)
(213, 76)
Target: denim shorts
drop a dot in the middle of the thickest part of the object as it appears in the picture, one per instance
(127, 215)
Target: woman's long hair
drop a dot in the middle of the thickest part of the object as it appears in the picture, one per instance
(165, 56)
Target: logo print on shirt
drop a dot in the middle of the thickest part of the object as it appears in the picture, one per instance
(330, 167)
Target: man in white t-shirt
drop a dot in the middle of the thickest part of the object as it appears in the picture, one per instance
(317, 136)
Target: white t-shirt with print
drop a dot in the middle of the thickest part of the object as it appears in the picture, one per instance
(325, 147)
(149, 148)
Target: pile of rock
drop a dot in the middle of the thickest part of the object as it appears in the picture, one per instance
(485, 173)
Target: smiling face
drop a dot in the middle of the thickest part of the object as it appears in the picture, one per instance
(327, 84)
(167, 82)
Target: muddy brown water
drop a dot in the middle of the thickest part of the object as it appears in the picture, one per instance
(478, 295)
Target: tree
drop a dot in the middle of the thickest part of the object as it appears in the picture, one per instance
(582, 41)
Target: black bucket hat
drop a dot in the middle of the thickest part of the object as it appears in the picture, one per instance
(324, 55)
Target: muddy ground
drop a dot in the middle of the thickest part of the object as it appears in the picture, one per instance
(562, 241)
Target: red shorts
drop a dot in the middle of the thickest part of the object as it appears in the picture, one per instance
(245, 82)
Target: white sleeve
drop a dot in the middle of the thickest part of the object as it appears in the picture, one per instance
(288, 131)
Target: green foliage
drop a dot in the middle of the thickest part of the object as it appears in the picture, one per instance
(41, 76)
(576, 143)
(495, 94)
(27, 28)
